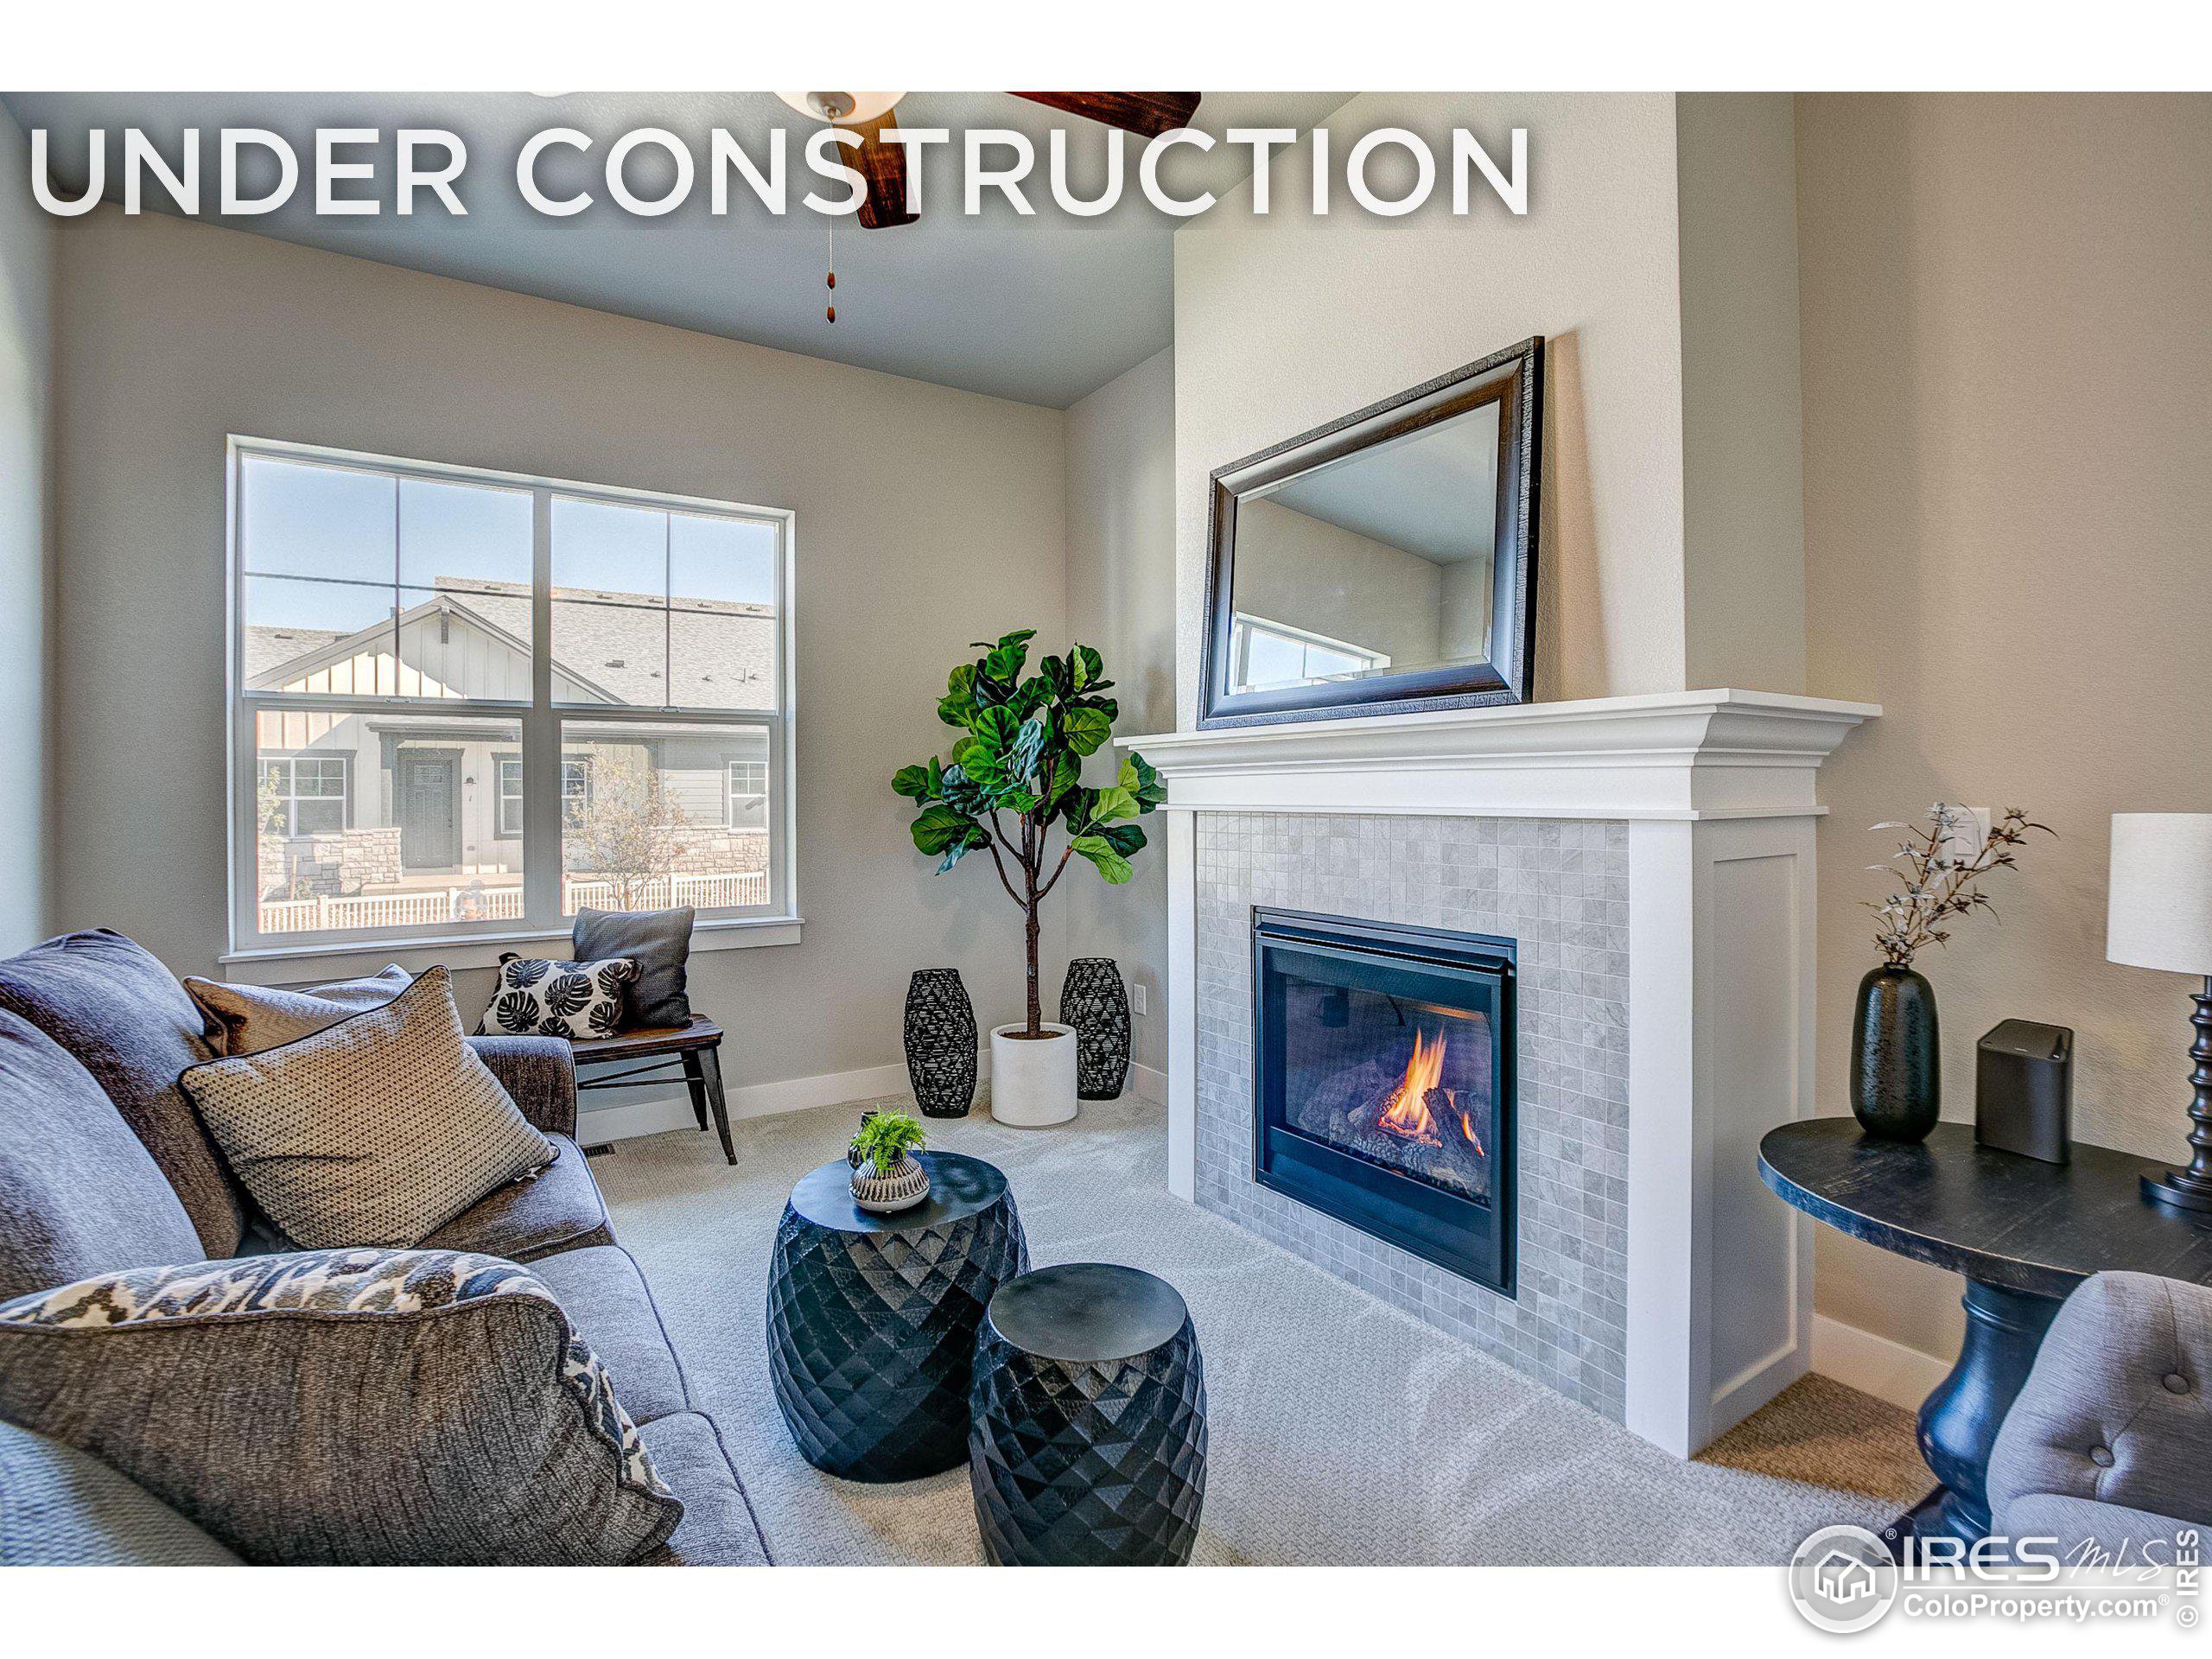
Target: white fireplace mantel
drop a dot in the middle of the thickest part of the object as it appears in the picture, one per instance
(1667, 755)
(1717, 790)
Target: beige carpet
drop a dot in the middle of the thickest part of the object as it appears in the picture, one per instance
(1342, 1430)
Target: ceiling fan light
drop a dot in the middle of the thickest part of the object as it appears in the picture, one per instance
(846, 108)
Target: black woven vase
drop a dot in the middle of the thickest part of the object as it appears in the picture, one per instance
(940, 1043)
(1093, 1001)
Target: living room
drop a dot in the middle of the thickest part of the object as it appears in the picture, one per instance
(756, 796)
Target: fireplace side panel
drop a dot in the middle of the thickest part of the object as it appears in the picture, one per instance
(1561, 888)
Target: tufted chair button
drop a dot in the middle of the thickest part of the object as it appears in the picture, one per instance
(2175, 1382)
(2101, 1456)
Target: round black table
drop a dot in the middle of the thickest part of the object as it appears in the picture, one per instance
(1089, 1445)
(2023, 1233)
(872, 1319)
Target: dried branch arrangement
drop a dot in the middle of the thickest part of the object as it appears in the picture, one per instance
(1940, 883)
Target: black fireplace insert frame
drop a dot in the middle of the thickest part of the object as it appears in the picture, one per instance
(1470, 1237)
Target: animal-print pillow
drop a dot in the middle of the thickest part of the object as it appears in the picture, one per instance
(575, 999)
(354, 1406)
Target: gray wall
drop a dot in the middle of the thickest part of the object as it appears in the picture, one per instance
(26, 547)
(1743, 475)
(1121, 563)
(927, 517)
(2008, 478)
(1284, 322)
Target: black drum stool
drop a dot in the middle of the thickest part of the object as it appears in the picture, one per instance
(1087, 1446)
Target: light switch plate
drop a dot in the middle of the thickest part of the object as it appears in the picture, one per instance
(1967, 841)
(1136, 998)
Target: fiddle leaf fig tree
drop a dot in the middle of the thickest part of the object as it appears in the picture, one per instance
(1014, 775)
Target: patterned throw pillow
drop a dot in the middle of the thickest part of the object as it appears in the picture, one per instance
(574, 1000)
(377, 1130)
(362, 1407)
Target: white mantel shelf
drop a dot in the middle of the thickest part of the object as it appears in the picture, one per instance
(1670, 756)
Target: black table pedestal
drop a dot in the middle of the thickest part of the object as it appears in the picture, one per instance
(872, 1319)
(1959, 1420)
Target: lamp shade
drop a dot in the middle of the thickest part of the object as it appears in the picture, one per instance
(2160, 914)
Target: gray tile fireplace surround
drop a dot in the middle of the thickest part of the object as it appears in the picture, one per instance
(1561, 888)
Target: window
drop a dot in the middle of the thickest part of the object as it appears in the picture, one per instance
(303, 795)
(748, 795)
(1268, 656)
(469, 702)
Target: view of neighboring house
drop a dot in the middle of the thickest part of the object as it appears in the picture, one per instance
(402, 818)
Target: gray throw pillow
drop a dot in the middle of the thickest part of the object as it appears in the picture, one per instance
(377, 1130)
(659, 942)
(352, 1407)
(247, 1019)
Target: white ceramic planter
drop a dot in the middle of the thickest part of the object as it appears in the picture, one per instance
(1032, 1083)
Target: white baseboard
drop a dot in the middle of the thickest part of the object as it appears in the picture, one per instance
(655, 1109)
(1874, 1364)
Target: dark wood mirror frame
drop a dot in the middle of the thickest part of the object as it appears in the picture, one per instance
(1512, 378)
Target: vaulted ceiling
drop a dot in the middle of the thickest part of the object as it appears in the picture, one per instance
(1043, 309)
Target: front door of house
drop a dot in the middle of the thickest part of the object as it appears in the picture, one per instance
(430, 815)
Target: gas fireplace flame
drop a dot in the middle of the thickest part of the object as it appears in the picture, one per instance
(1412, 1110)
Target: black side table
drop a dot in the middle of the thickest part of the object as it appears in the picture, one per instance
(872, 1319)
(2023, 1233)
(1089, 1447)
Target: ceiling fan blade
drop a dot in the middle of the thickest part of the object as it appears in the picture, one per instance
(1146, 114)
(884, 166)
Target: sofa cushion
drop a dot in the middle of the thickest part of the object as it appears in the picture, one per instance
(557, 1208)
(570, 999)
(61, 1508)
(718, 1529)
(247, 1019)
(109, 1003)
(373, 1407)
(659, 942)
(606, 1299)
(80, 1192)
(377, 1130)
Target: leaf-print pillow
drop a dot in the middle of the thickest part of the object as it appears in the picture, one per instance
(571, 999)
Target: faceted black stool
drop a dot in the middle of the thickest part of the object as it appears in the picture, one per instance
(1089, 1445)
(872, 1319)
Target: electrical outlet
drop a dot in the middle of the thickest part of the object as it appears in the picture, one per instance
(1970, 837)
(1136, 998)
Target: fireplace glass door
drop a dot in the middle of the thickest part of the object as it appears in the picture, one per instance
(1383, 1082)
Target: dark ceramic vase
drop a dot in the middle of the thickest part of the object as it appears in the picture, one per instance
(940, 1043)
(1093, 1001)
(1896, 1085)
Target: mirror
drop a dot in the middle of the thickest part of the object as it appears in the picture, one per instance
(1385, 562)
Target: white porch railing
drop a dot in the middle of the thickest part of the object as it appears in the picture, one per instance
(329, 912)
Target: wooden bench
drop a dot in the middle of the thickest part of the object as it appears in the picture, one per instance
(695, 1049)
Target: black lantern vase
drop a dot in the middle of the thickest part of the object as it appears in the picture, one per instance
(940, 1043)
(1895, 1083)
(1093, 1001)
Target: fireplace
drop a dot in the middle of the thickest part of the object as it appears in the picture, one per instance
(1383, 1083)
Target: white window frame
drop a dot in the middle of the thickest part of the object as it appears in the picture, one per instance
(293, 797)
(293, 957)
(1243, 624)
(732, 794)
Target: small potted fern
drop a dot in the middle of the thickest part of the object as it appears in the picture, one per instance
(887, 1176)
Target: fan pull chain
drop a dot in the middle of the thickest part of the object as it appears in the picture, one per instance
(833, 271)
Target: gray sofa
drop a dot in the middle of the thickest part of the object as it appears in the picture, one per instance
(77, 1199)
(2110, 1443)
